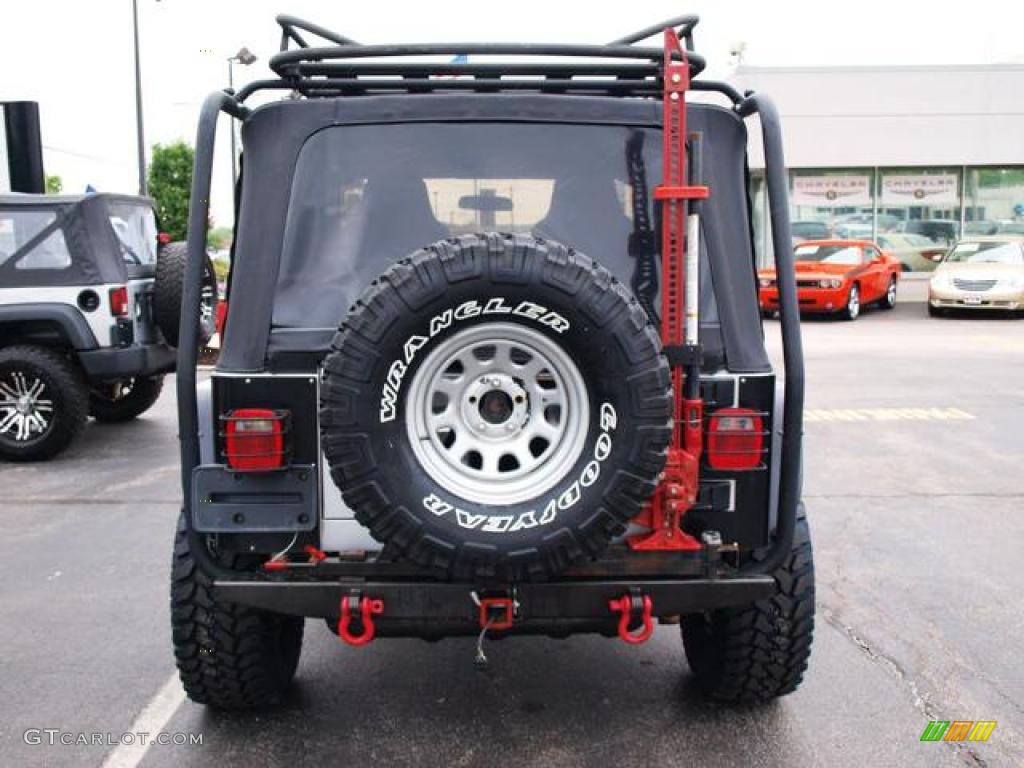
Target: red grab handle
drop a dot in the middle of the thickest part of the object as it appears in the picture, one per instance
(624, 606)
(367, 608)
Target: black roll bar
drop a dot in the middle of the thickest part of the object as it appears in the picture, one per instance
(188, 328)
(789, 320)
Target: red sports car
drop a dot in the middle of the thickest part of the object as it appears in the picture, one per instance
(837, 276)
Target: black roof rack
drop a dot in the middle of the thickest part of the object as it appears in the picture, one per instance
(345, 67)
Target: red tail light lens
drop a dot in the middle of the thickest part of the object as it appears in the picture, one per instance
(163, 238)
(222, 315)
(119, 301)
(256, 439)
(735, 439)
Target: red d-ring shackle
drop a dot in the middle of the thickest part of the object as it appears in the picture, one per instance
(367, 608)
(624, 606)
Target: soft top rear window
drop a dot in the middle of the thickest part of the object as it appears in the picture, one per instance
(135, 227)
(366, 196)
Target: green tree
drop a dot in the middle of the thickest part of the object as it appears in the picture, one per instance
(219, 238)
(54, 184)
(170, 183)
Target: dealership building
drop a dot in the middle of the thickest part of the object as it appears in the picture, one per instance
(934, 150)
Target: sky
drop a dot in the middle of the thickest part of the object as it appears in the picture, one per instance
(75, 57)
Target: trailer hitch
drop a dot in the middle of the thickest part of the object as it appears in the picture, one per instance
(363, 608)
(634, 607)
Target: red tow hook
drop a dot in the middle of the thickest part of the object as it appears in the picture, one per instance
(630, 606)
(365, 607)
(315, 555)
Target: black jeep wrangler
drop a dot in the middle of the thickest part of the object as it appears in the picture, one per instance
(493, 364)
(89, 301)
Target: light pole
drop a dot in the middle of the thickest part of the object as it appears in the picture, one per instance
(139, 132)
(244, 57)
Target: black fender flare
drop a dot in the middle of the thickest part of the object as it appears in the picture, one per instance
(68, 318)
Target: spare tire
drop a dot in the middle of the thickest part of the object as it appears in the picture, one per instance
(167, 290)
(496, 407)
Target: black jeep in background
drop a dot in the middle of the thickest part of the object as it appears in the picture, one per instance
(493, 364)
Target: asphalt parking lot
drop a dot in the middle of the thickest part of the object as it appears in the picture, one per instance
(914, 486)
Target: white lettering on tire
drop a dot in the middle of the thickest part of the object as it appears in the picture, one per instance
(443, 320)
(567, 499)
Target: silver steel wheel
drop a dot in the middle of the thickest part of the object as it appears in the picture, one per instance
(497, 414)
(207, 322)
(890, 295)
(25, 409)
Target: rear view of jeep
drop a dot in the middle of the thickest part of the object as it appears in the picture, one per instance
(492, 364)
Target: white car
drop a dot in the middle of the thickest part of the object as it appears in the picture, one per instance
(916, 253)
(982, 273)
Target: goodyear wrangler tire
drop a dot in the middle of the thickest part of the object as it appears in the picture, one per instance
(496, 407)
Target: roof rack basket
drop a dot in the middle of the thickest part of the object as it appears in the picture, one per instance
(341, 66)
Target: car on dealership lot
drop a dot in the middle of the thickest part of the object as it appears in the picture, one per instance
(915, 253)
(983, 273)
(450, 399)
(1011, 228)
(981, 227)
(89, 300)
(810, 230)
(857, 226)
(836, 276)
(944, 231)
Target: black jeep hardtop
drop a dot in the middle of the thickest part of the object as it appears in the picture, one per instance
(493, 364)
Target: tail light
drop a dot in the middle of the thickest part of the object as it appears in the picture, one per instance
(222, 315)
(735, 439)
(256, 439)
(119, 301)
(163, 238)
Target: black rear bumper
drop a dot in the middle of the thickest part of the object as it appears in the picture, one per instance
(436, 608)
(125, 362)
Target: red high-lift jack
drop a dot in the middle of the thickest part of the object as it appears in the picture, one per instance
(680, 254)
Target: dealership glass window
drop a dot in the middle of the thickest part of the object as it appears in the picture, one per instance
(920, 210)
(920, 201)
(831, 203)
(994, 201)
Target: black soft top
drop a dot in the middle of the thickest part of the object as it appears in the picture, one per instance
(274, 135)
(84, 221)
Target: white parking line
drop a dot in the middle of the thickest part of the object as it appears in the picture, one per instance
(886, 414)
(151, 720)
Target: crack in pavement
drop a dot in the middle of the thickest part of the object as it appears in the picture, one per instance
(896, 671)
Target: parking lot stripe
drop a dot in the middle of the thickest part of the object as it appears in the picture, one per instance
(151, 720)
(886, 414)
